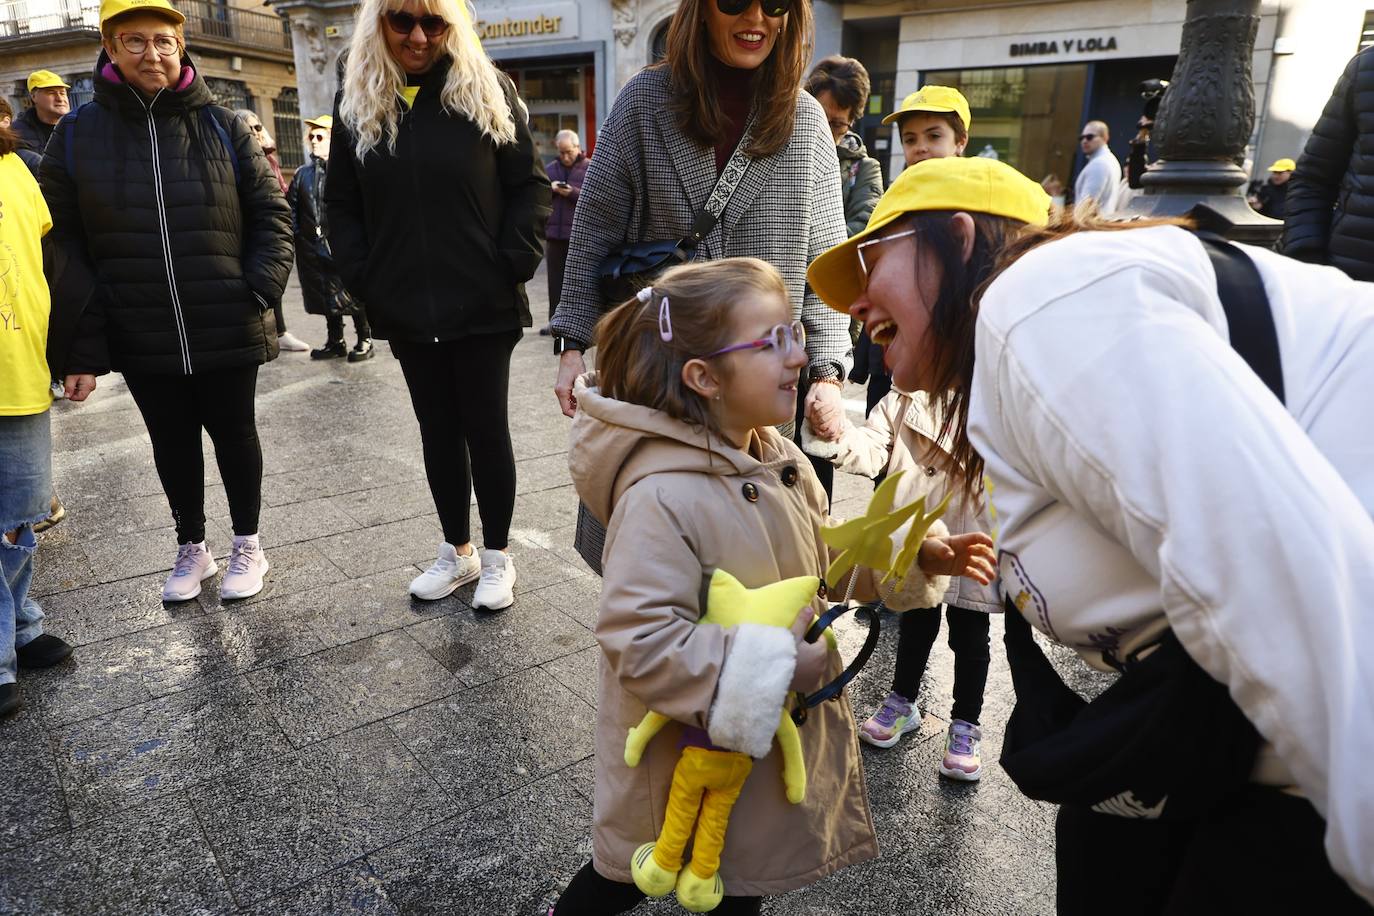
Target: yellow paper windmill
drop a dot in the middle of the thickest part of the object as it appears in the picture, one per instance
(920, 525)
(867, 540)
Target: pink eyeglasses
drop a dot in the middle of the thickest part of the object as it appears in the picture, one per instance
(782, 338)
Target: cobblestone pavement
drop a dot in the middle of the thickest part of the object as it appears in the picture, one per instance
(330, 746)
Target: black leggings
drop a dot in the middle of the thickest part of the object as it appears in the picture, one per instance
(459, 389)
(176, 408)
(968, 637)
(590, 894)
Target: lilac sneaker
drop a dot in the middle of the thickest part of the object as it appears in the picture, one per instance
(961, 753)
(894, 718)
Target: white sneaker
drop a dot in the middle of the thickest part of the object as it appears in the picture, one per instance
(193, 566)
(247, 566)
(496, 591)
(449, 571)
(291, 343)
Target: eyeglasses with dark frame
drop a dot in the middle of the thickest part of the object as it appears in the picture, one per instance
(771, 8)
(782, 338)
(403, 23)
(164, 45)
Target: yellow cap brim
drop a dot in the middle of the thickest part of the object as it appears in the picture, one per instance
(834, 276)
(917, 109)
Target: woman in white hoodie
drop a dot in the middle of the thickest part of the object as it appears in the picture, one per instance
(1145, 486)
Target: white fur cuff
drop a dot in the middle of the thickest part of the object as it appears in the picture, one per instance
(752, 689)
(816, 446)
(919, 590)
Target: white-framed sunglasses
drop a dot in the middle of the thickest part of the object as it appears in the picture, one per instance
(867, 262)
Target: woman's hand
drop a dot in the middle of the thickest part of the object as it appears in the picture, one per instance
(570, 366)
(78, 387)
(825, 410)
(968, 555)
(811, 656)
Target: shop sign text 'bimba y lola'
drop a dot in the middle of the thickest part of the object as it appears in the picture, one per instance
(1067, 46)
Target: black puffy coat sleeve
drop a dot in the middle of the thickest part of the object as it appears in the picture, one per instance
(267, 248)
(525, 190)
(1316, 183)
(343, 201)
(77, 343)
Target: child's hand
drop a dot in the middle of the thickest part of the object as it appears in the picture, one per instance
(969, 555)
(811, 656)
(826, 419)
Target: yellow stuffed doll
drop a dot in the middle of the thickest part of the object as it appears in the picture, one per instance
(706, 782)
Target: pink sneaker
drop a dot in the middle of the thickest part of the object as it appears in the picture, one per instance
(894, 718)
(961, 752)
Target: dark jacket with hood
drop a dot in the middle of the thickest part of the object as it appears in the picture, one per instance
(33, 134)
(321, 287)
(182, 247)
(861, 182)
(439, 237)
(1329, 211)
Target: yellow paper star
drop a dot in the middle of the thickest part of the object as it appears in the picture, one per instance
(867, 540)
(920, 525)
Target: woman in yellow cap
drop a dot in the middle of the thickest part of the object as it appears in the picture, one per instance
(167, 200)
(1150, 494)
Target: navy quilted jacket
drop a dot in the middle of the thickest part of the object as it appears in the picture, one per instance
(184, 245)
(1329, 218)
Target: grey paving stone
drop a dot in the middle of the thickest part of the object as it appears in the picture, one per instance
(273, 827)
(60, 568)
(391, 503)
(99, 612)
(127, 757)
(357, 608)
(353, 888)
(151, 860)
(110, 517)
(339, 689)
(578, 672)
(546, 510)
(31, 800)
(581, 776)
(547, 472)
(97, 679)
(579, 598)
(303, 521)
(508, 858)
(126, 556)
(316, 482)
(537, 568)
(491, 739)
(372, 550)
(481, 646)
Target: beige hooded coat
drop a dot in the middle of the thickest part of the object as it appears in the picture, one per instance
(676, 509)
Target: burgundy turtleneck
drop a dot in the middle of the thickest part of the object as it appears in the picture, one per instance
(735, 95)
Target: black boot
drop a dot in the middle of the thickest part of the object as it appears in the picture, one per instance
(331, 350)
(362, 351)
(43, 652)
(9, 699)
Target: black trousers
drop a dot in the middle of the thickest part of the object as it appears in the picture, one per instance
(968, 638)
(175, 409)
(1260, 852)
(335, 326)
(459, 390)
(280, 315)
(556, 258)
(590, 894)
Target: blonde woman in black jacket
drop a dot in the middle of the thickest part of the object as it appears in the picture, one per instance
(166, 200)
(437, 206)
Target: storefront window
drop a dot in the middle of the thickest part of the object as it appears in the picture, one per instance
(286, 119)
(1028, 116)
(553, 96)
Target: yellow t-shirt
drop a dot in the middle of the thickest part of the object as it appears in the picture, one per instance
(24, 302)
(408, 94)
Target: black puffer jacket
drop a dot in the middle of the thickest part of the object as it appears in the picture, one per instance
(438, 238)
(33, 134)
(185, 256)
(321, 288)
(1329, 214)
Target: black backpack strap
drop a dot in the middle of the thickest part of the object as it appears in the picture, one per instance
(1242, 295)
(833, 689)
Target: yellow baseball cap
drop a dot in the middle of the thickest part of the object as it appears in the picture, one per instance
(109, 9)
(45, 79)
(325, 121)
(972, 185)
(1283, 165)
(934, 98)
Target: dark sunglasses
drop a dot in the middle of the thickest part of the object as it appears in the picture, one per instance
(317, 138)
(1088, 137)
(404, 23)
(773, 8)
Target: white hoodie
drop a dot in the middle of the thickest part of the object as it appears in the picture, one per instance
(1143, 476)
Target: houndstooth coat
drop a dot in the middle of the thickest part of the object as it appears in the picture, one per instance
(647, 179)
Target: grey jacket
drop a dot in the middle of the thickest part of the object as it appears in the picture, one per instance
(861, 182)
(646, 180)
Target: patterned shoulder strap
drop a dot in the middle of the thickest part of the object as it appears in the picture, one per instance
(707, 217)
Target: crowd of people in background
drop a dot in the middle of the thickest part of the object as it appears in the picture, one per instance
(1009, 337)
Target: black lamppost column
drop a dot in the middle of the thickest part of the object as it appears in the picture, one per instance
(1204, 123)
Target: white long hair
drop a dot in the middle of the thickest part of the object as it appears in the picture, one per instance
(373, 79)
